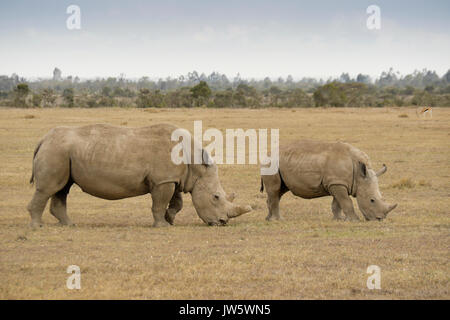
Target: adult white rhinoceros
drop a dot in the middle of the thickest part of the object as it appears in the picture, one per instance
(117, 162)
(312, 169)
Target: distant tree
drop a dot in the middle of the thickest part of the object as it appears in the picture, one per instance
(106, 101)
(362, 78)
(246, 96)
(15, 78)
(388, 78)
(106, 91)
(274, 96)
(298, 98)
(429, 88)
(201, 90)
(267, 83)
(409, 90)
(280, 81)
(345, 78)
(69, 97)
(48, 97)
(445, 90)
(148, 99)
(119, 92)
(223, 99)
(91, 102)
(201, 93)
(193, 77)
(57, 74)
(446, 77)
(36, 99)
(422, 98)
(8, 83)
(290, 82)
(354, 93)
(237, 80)
(430, 77)
(20, 94)
(329, 95)
(180, 98)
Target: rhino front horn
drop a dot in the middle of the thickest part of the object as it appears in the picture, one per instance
(391, 207)
(239, 210)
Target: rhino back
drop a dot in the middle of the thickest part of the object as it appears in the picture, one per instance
(117, 162)
(309, 168)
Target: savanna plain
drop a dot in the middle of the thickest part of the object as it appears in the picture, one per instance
(307, 255)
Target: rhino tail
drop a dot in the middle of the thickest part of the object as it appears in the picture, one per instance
(36, 150)
(262, 186)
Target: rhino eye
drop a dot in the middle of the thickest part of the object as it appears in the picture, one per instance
(216, 196)
(371, 200)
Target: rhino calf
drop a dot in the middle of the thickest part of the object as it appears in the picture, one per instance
(116, 162)
(312, 169)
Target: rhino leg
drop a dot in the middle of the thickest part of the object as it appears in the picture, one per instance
(58, 205)
(340, 193)
(175, 205)
(36, 208)
(275, 189)
(161, 196)
(51, 170)
(336, 209)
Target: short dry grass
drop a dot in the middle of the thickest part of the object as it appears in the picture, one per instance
(306, 256)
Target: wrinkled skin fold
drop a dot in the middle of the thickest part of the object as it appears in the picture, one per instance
(112, 163)
(313, 169)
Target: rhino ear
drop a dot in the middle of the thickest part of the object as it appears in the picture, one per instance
(206, 158)
(363, 169)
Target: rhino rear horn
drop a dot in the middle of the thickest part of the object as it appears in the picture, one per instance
(382, 170)
(239, 210)
(231, 196)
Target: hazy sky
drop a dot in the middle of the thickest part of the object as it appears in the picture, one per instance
(256, 38)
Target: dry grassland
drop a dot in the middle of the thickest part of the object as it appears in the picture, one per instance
(306, 256)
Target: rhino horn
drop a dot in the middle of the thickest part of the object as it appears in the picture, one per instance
(390, 208)
(382, 170)
(239, 210)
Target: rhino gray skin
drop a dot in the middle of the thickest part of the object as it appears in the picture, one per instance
(312, 169)
(117, 162)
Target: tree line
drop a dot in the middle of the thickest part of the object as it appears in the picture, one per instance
(217, 91)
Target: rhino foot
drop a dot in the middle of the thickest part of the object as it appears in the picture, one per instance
(66, 224)
(36, 225)
(158, 224)
(273, 218)
(169, 216)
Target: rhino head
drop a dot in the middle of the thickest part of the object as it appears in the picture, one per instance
(211, 202)
(368, 195)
